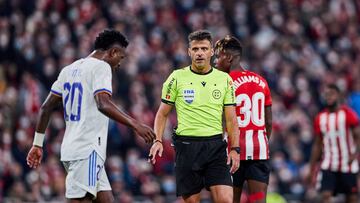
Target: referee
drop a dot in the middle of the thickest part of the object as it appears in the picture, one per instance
(200, 94)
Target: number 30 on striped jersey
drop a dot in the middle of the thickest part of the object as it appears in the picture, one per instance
(252, 109)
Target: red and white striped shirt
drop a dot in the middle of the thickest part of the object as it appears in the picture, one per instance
(252, 95)
(338, 144)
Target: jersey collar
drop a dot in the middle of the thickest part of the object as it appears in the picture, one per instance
(211, 69)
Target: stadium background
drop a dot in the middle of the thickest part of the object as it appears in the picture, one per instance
(297, 45)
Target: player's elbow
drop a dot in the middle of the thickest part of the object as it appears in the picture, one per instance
(101, 106)
(102, 102)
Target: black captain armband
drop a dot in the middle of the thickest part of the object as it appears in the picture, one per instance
(234, 104)
(167, 102)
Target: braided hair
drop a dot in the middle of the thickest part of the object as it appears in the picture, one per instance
(229, 43)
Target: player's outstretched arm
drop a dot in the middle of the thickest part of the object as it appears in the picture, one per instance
(234, 133)
(159, 127)
(268, 121)
(107, 107)
(35, 154)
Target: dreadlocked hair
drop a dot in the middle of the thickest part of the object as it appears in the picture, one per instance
(229, 43)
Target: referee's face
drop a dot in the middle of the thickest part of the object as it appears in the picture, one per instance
(200, 52)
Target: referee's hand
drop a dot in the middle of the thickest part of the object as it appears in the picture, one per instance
(234, 160)
(156, 149)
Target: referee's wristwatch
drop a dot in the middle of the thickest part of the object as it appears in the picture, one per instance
(236, 149)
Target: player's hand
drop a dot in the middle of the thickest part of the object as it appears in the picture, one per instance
(156, 149)
(352, 157)
(145, 132)
(34, 156)
(234, 160)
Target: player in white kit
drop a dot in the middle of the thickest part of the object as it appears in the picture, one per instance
(84, 89)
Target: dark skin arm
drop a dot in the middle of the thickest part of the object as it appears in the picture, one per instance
(107, 107)
(268, 121)
(315, 156)
(35, 154)
(356, 136)
(51, 103)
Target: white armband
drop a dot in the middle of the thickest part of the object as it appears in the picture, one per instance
(39, 139)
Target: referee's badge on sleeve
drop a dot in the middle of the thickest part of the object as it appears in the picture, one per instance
(189, 96)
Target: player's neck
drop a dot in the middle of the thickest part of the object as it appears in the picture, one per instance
(333, 108)
(97, 54)
(93, 54)
(236, 66)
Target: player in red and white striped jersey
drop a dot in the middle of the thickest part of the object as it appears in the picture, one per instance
(252, 98)
(337, 132)
(253, 109)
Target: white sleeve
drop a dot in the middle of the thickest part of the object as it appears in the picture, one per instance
(102, 79)
(56, 88)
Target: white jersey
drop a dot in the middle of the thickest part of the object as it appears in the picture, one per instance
(86, 127)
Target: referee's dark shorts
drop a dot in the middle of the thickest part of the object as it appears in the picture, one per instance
(200, 162)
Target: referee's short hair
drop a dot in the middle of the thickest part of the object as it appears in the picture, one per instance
(200, 35)
(109, 37)
(229, 43)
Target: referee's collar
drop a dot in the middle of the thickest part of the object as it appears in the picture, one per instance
(211, 69)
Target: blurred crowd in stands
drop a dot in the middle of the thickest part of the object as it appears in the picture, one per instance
(297, 45)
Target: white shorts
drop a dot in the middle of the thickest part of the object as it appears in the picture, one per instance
(85, 175)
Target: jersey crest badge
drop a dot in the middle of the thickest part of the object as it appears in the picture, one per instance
(189, 96)
(216, 94)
